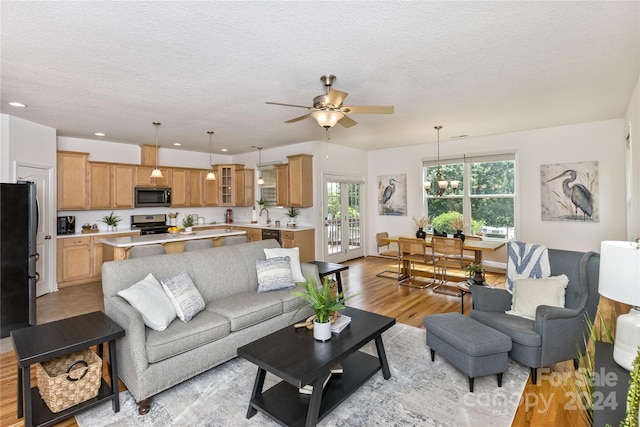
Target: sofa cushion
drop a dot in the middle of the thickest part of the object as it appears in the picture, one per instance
(294, 260)
(528, 294)
(290, 302)
(183, 295)
(274, 274)
(519, 329)
(247, 309)
(181, 337)
(148, 297)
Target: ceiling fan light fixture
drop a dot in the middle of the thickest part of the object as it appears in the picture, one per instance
(156, 173)
(327, 118)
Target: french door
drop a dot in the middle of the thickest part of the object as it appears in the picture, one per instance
(342, 219)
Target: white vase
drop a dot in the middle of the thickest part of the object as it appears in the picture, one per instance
(322, 331)
(188, 229)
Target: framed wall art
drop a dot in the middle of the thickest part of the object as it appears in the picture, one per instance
(569, 192)
(392, 195)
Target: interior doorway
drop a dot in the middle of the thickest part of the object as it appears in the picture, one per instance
(45, 243)
(342, 231)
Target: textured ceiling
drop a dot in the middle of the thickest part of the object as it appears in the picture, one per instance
(477, 68)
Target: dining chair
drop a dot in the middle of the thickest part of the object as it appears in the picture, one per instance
(389, 252)
(449, 254)
(196, 245)
(412, 251)
(146, 250)
(470, 255)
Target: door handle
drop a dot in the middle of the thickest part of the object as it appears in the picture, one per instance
(47, 237)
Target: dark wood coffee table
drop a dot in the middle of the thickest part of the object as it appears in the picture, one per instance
(40, 343)
(298, 359)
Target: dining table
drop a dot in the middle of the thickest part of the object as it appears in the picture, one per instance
(477, 246)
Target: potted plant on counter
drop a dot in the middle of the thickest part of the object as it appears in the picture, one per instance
(325, 303)
(188, 223)
(292, 213)
(112, 221)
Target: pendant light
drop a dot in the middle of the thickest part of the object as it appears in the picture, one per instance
(210, 176)
(442, 183)
(156, 172)
(260, 179)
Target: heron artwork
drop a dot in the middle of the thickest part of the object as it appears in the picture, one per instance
(392, 199)
(579, 195)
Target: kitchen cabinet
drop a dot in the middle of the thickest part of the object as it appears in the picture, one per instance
(122, 186)
(253, 234)
(143, 177)
(210, 192)
(74, 262)
(72, 170)
(294, 182)
(301, 180)
(100, 191)
(227, 183)
(179, 188)
(243, 186)
(195, 185)
(303, 239)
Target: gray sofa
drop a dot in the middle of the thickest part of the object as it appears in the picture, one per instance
(557, 333)
(151, 361)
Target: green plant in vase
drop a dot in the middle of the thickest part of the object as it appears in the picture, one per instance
(111, 220)
(188, 222)
(324, 302)
(292, 213)
(475, 273)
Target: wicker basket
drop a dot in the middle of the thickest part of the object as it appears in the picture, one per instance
(68, 380)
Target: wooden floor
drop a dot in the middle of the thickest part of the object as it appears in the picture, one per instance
(543, 404)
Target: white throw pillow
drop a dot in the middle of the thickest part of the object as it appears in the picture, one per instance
(274, 274)
(528, 294)
(294, 259)
(149, 299)
(184, 296)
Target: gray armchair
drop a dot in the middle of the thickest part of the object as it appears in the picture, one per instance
(556, 333)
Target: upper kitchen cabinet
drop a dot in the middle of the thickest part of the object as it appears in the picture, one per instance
(143, 177)
(210, 191)
(245, 193)
(72, 180)
(179, 187)
(111, 185)
(227, 180)
(295, 181)
(195, 185)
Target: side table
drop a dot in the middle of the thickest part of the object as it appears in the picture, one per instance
(327, 268)
(40, 343)
(610, 388)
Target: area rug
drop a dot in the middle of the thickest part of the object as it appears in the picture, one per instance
(419, 393)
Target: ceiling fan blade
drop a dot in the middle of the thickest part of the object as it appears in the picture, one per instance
(297, 119)
(288, 105)
(335, 97)
(347, 122)
(373, 109)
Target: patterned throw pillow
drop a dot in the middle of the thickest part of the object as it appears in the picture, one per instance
(183, 295)
(152, 303)
(274, 274)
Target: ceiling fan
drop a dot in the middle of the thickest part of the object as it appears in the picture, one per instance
(328, 110)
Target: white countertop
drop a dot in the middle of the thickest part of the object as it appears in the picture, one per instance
(129, 241)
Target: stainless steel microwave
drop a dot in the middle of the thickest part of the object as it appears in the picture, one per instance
(152, 196)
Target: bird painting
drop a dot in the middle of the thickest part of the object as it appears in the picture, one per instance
(391, 197)
(576, 197)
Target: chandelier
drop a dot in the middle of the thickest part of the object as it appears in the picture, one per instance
(442, 183)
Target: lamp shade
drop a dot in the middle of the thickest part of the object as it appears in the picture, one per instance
(620, 272)
(327, 118)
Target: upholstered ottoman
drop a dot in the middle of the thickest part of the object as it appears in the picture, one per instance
(474, 348)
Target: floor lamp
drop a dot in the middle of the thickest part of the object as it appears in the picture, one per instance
(620, 281)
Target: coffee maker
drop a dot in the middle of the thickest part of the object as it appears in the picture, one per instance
(66, 224)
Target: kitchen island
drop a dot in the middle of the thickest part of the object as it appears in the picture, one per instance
(172, 242)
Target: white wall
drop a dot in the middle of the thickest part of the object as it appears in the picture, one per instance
(632, 120)
(601, 141)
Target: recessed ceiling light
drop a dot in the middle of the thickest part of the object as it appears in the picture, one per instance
(99, 134)
(18, 104)
(177, 144)
(224, 149)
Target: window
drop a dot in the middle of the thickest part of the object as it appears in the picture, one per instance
(484, 201)
(268, 189)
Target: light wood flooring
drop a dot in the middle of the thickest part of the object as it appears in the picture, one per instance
(541, 405)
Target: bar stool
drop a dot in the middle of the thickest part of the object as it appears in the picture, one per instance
(146, 250)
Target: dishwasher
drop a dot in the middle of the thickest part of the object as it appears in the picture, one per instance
(268, 233)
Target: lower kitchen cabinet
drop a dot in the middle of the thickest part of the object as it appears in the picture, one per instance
(304, 239)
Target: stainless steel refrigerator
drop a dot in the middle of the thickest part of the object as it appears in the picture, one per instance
(18, 228)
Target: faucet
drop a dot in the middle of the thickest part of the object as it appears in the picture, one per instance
(265, 209)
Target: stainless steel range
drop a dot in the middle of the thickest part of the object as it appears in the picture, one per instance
(149, 224)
